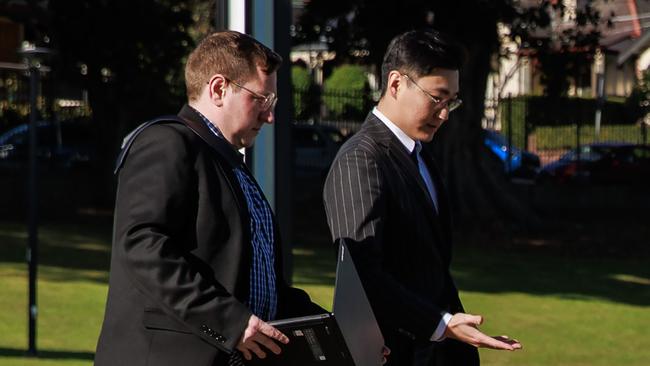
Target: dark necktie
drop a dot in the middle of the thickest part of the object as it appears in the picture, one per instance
(414, 157)
(430, 189)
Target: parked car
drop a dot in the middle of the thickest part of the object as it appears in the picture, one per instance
(64, 145)
(70, 176)
(604, 163)
(516, 162)
(314, 149)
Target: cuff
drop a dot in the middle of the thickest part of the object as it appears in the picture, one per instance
(439, 334)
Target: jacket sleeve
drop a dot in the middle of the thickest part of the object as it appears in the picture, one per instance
(356, 206)
(155, 206)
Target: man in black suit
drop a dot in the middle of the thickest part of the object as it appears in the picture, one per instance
(195, 267)
(384, 196)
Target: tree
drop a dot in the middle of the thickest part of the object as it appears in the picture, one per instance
(477, 186)
(128, 56)
(303, 89)
(638, 103)
(345, 90)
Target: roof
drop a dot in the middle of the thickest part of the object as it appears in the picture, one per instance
(622, 23)
(636, 47)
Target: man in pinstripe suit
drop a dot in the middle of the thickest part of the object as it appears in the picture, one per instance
(384, 196)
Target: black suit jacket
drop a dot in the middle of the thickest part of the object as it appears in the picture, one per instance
(377, 201)
(181, 252)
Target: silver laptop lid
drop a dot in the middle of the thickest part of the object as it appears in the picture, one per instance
(354, 314)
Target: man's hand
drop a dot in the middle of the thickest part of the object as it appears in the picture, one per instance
(464, 327)
(258, 332)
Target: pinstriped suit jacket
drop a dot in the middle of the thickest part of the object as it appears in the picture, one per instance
(376, 200)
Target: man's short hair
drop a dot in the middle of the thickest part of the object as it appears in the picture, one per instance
(233, 54)
(419, 53)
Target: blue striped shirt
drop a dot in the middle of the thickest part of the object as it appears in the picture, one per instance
(262, 299)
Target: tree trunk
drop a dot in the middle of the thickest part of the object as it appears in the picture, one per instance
(479, 188)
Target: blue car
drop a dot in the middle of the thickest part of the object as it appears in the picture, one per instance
(66, 145)
(516, 162)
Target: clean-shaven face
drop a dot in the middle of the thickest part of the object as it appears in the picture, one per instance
(245, 115)
(421, 116)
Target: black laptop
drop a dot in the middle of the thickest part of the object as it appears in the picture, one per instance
(349, 336)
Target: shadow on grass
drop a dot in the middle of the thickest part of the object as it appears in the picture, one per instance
(501, 270)
(81, 246)
(568, 269)
(314, 265)
(45, 354)
(513, 270)
(576, 256)
(586, 263)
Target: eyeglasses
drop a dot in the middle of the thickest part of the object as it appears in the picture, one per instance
(451, 104)
(266, 101)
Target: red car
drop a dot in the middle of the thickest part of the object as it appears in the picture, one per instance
(602, 163)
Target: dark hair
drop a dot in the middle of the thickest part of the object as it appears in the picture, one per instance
(418, 53)
(230, 53)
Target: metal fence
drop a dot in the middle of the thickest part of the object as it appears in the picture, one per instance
(14, 95)
(14, 98)
(546, 127)
(551, 128)
(345, 110)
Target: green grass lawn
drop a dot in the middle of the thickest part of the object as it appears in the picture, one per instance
(565, 309)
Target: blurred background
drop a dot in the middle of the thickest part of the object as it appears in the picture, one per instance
(547, 162)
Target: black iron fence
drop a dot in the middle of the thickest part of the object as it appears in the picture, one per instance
(345, 110)
(51, 106)
(550, 128)
(14, 96)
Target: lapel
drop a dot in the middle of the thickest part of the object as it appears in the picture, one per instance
(224, 150)
(194, 121)
(412, 181)
(397, 151)
(232, 157)
(225, 153)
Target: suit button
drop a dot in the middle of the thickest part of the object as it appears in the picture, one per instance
(221, 339)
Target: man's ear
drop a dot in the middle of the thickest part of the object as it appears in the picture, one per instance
(393, 83)
(217, 89)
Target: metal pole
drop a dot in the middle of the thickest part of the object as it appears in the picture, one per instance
(285, 117)
(263, 158)
(221, 15)
(32, 248)
(509, 152)
(32, 57)
(526, 127)
(578, 163)
(600, 101)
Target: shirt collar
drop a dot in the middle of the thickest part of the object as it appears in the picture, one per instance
(213, 128)
(408, 142)
(216, 131)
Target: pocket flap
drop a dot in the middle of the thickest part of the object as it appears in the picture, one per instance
(156, 319)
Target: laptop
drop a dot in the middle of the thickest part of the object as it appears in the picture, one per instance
(349, 336)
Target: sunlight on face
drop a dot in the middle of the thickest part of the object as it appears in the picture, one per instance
(422, 115)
